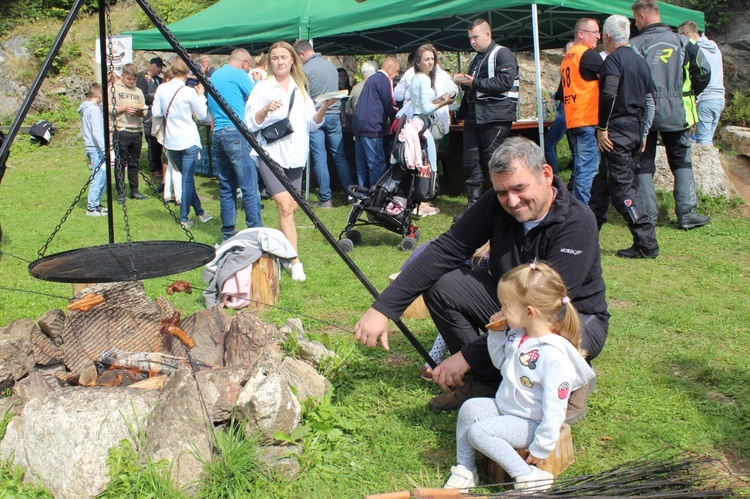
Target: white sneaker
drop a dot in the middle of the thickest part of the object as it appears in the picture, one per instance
(298, 273)
(425, 210)
(205, 217)
(462, 479)
(535, 481)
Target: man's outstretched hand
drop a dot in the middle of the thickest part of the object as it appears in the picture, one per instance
(372, 326)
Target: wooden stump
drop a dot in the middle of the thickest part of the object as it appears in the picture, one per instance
(264, 282)
(418, 309)
(559, 459)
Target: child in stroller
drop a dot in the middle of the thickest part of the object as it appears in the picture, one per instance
(389, 203)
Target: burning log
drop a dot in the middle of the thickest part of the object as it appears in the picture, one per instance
(89, 375)
(154, 383)
(159, 363)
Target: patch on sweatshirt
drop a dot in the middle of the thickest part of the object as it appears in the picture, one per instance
(563, 391)
(529, 359)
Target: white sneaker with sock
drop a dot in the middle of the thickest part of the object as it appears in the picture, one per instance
(535, 481)
(298, 273)
(462, 478)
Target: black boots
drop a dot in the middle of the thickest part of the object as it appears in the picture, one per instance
(637, 251)
(472, 195)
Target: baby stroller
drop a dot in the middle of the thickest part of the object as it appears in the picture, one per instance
(389, 203)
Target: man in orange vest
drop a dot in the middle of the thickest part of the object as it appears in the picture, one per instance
(579, 76)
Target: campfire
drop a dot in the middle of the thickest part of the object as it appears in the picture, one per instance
(114, 335)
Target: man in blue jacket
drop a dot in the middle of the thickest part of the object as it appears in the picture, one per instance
(375, 108)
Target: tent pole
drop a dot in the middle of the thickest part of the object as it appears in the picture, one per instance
(538, 71)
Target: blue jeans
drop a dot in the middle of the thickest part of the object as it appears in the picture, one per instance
(99, 182)
(370, 160)
(709, 111)
(236, 169)
(583, 141)
(185, 161)
(554, 135)
(329, 134)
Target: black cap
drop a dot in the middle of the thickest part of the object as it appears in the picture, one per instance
(157, 61)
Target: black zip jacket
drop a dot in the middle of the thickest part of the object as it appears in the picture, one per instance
(567, 239)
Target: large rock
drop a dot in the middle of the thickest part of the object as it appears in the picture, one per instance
(178, 429)
(247, 336)
(710, 177)
(267, 402)
(220, 389)
(738, 139)
(35, 385)
(281, 459)
(63, 438)
(208, 329)
(16, 351)
(311, 351)
(304, 379)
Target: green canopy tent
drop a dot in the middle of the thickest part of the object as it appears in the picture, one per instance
(341, 27)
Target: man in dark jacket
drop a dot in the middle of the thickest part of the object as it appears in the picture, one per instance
(375, 108)
(148, 82)
(680, 72)
(626, 109)
(489, 105)
(530, 216)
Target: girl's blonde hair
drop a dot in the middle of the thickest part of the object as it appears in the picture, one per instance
(539, 286)
(297, 73)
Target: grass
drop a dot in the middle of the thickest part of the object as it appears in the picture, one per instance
(674, 370)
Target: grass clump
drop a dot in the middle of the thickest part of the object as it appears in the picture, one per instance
(235, 468)
(134, 477)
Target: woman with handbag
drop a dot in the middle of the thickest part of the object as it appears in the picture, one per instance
(281, 109)
(422, 90)
(178, 103)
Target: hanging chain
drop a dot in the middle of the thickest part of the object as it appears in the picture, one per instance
(119, 170)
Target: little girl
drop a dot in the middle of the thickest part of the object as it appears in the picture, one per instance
(541, 364)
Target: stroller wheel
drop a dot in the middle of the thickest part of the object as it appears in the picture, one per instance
(346, 244)
(355, 236)
(417, 235)
(407, 243)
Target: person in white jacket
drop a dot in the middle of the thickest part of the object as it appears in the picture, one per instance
(536, 348)
(178, 103)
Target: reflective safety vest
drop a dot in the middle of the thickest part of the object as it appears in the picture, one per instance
(580, 97)
(510, 94)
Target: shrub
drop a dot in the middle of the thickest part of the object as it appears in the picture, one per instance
(737, 111)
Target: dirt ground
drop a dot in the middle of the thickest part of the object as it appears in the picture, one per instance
(737, 168)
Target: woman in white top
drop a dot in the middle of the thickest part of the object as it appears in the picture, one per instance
(422, 90)
(269, 103)
(178, 103)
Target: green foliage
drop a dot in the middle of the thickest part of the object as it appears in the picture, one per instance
(12, 485)
(173, 10)
(290, 346)
(132, 477)
(737, 111)
(717, 12)
(234, 467)
(41, 45)
(324, 427)
(14, 12)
